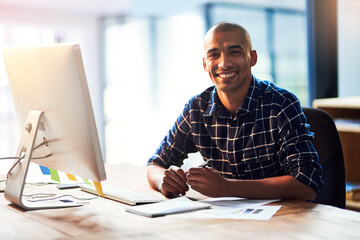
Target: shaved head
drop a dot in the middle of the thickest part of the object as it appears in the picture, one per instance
(229, 27)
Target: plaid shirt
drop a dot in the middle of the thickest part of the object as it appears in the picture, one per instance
(267, 137)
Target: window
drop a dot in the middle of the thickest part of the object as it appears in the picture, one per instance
(153, 67)
(279, 36)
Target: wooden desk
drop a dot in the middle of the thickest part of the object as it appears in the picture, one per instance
(107, 219)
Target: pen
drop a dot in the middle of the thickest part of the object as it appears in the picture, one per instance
(206, 163)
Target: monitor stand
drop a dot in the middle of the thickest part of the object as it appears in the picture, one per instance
(17, 176)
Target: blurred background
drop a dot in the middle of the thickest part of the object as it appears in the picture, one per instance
(143, 59)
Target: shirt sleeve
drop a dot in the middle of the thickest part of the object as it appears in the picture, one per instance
(176, 145)
(297, 154)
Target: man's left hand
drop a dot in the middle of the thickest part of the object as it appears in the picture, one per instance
(207, 181)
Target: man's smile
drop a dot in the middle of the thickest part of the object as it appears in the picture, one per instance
(226, 75)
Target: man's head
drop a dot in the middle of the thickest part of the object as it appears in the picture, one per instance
(228, 56)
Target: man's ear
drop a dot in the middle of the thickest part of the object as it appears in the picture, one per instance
(253, 55)
(204, 64)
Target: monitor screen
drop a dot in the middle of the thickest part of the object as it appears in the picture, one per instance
(52, 79)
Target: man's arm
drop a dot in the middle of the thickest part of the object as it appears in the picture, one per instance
(162, 174)
(210, 183)
(171, 181)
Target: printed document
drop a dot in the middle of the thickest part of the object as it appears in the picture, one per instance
(235, 208)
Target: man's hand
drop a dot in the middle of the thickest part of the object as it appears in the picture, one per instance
(174, 182)
(206, 181)
(168, 181)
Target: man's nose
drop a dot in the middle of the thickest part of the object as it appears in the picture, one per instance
(224, 61)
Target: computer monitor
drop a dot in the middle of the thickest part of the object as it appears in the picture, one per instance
(54, 113)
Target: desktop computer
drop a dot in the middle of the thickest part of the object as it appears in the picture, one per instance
(55, 117)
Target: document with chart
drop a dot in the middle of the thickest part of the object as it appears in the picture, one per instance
(235, 208)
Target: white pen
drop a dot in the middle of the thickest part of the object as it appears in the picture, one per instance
(206, 163)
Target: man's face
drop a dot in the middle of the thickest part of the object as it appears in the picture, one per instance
(228, 60)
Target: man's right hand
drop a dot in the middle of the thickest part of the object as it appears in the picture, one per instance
(174, 182)
(169, 182)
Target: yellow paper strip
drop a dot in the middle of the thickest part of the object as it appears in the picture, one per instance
(98, 188)
(71, 177)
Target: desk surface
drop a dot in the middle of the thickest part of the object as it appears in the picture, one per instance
(343, 103)
(107, 219)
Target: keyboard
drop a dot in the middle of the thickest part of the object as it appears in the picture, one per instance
(121, 194)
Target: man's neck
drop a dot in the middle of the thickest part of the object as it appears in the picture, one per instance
(233, 100)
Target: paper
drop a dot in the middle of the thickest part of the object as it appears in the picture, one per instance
(2, 186)
(44, 170)
(98, 188)
(54, 175)
(176, 205)
(259, 213)
(87, 181)
(71, 177)
(235, 208)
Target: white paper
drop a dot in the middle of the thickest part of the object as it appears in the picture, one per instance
(235, 208)
(258, 213)
(176, 205)
(2, 186)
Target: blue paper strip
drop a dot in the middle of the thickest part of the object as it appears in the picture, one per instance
(44, 170)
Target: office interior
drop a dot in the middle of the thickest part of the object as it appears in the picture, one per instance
(143, 59)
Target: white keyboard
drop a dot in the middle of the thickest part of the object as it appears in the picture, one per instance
(121, 194)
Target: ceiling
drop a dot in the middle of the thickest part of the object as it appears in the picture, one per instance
(88, 7)
(128, 7)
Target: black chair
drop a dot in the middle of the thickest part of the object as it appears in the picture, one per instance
(327, 144)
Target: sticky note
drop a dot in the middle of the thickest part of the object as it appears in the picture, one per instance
(54, 175)
(71, 177)
(98, 188)
(44, 170)
(87, 181)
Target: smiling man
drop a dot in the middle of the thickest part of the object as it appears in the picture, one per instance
(254, 131)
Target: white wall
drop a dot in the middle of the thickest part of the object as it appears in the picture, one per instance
(349, 47)
(73, 27)
(165, 7)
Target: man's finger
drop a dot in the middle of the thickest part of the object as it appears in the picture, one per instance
(175, 181)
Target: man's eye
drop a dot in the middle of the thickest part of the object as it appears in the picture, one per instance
(235, 52)
(213, 55)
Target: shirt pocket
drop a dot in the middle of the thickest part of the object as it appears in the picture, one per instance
(259, 162)
(259, 153)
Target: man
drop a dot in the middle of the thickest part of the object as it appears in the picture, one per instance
(255, 132)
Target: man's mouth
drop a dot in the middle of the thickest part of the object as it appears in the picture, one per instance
(226, 74)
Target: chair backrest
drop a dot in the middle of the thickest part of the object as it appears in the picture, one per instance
(327, 144)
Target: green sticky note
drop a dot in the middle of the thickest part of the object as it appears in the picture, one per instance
(87, 181)
(54, 175)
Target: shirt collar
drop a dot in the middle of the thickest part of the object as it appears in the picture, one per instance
(216, 107)
(251, 99)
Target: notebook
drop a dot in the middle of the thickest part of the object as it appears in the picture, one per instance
(176, 205)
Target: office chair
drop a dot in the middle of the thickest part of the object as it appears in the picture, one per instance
(327, 144)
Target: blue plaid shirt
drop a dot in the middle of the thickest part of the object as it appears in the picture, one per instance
(267, 137)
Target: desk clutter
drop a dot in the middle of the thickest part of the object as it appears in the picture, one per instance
(211, 208)
(103, 218)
